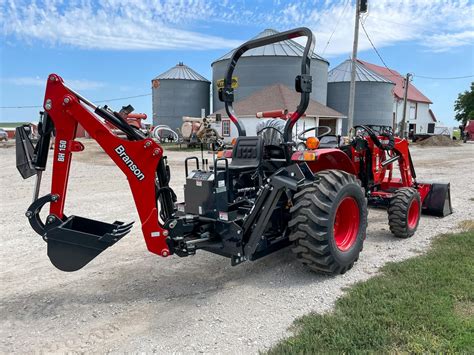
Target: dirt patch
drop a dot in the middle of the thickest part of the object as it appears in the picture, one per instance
(8, 144)
(438, 141)
(465, 309)
(467, 225)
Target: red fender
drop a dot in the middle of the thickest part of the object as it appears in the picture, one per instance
(324, 159)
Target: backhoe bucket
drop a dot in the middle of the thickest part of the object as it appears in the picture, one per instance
(76, 241)
(438, 200)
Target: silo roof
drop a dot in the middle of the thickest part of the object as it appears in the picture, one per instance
(413, 93)
(181, 72)
(288, 48)
(342, 73)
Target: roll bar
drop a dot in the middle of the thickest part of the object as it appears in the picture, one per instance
(303, 82)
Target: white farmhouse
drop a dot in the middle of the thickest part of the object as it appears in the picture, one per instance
(277, 97)
(420, 118)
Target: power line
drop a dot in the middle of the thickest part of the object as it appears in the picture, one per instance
(445, 78)
(375, 49)
(1, 107)
(99, 101)
(418, 76)
(123, 98)
(335, 27)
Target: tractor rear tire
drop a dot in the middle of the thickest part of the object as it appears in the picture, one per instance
(404, 212)
(328, 222)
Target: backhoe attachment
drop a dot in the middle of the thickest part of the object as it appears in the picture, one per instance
(74, 241)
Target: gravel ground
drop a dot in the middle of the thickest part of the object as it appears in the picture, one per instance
(130, 300)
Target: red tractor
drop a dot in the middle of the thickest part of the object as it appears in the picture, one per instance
(267, 197)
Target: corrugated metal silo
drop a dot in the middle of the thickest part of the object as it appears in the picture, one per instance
(178, 92)
(373, 104)
(277, 63)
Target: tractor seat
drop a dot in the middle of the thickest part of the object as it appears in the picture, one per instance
(247, 154)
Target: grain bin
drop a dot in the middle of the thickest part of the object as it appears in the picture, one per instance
(276, 63)
(178, 92)
(373, 104)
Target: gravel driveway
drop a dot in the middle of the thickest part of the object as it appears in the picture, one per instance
(130, 300)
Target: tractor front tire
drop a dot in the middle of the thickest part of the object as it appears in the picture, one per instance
(404, 212)
(328, 222)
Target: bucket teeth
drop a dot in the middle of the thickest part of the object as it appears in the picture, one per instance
(118, 233)
(124, 227)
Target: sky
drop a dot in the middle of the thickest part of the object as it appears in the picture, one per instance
(109, 49)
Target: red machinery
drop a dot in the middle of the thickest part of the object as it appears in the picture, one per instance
(267, 197)
(371, 156)
(132, 119)
(468, 131)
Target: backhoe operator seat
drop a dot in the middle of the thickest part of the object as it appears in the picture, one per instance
(247, 154)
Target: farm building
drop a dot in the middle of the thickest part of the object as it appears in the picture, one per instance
(273, 98)
(276, 63)
(420, 117)
(178, 92)
(373, 103)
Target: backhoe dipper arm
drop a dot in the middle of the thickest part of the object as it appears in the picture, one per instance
(138, 158)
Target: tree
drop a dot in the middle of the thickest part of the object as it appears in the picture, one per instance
(464, 106)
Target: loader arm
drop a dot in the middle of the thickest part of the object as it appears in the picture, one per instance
(139, 160)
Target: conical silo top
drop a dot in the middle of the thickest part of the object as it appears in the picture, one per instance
(342, 73)
(288, 48)
(181, 72)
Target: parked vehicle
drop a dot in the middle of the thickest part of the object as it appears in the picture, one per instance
(468, 132)
(3, 135)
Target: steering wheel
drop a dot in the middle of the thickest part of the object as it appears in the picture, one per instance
(301, 135)
(375, 139)
(270, 127)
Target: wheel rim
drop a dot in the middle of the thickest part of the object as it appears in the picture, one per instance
(413, 214)
(346, 223)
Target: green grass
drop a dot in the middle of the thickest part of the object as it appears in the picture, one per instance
(424, 304)
(12, 124)
(457, 134)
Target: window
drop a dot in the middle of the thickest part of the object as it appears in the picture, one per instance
(413, 109)
(225, 128)
(431, 127)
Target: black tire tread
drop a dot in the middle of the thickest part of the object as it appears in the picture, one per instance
(398, 210)
(310, 219)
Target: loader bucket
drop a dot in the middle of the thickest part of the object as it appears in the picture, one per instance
(438, 200)
(77, 240)
(24, 152)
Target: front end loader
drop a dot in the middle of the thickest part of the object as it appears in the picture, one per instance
(266, 197)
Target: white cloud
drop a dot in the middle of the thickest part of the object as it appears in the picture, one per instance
(41, 82)
(436, 25)
(445, 41)
(111, 24)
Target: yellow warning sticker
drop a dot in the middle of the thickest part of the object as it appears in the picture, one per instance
(235, 83)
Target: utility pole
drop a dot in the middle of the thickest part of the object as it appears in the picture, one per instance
(361, 6)
(405, 97)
